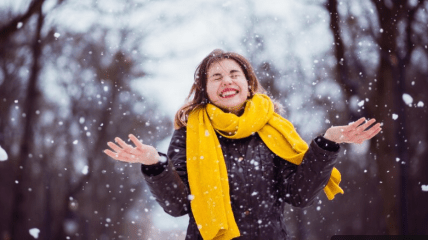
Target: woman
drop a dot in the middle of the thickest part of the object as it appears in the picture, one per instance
(233, 162)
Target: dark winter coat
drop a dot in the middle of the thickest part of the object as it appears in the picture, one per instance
(260, 183)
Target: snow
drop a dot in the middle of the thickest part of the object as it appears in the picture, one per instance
(407, 99)
(34, 232)
(3, 154)
(361, 103)
(394, 116)
(75, 142)
(85, 170)
(424, 188)
(420, 104)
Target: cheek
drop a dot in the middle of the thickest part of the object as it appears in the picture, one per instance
(211, 91)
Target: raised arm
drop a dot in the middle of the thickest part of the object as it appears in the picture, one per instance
(300, 184)
(162, 179)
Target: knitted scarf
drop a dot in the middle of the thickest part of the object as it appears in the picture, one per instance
(206, 168)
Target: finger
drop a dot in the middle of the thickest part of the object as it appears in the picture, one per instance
(374, 133)
(357, 123)
(114, 147)
(136, 141)
(365, 125)
(129, 149)
(123, 144)
(373, 129)
(370, 133)
(111, 154)
(352, 126)
(121, 156)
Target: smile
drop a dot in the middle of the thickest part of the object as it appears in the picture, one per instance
(228, 93)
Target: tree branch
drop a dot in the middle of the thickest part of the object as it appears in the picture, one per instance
(10, 28)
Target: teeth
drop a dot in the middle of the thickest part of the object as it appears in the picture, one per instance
(228, 93)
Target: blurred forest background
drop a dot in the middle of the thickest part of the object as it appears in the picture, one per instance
(76, 74)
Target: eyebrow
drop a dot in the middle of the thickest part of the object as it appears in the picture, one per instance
(219, 75)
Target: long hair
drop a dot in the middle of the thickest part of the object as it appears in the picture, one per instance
(198, 96)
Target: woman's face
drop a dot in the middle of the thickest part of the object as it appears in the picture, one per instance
(227, 86)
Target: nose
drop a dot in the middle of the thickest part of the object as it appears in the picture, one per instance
(227, 80)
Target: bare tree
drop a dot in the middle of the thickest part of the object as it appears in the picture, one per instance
(396, 39)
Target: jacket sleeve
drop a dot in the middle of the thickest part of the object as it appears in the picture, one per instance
(300, 184)
(168, 181)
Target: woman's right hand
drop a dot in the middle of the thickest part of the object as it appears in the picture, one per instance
(124, 152)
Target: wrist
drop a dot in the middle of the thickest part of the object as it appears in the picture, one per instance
(151, 158)
(330, 137)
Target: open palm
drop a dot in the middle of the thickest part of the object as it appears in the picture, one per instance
(124, 152)
(356, 132)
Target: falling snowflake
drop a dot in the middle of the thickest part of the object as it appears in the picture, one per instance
(394, 116)
(3, 154)
(407, 99)
(34, 232)
(85, 170)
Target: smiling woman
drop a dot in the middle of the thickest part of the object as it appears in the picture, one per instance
(227, 86)
(233, 161)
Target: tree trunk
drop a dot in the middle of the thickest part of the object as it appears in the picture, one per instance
(382, 108)
(29, 109)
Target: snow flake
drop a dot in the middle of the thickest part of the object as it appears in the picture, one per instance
(56, 35)
(3, 154)
(34, 232)
(75, 142)
(81, 120)
(425, 188)
(394, 116)
(360, 103)
(207, 133)
(420, 104)
(85, 170)
(19, 25)
(407, 99)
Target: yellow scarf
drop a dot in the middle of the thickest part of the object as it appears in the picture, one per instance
(206, 167)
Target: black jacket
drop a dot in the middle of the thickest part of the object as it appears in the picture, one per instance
(260, 183)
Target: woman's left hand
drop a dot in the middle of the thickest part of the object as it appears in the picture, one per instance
(353, 133)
